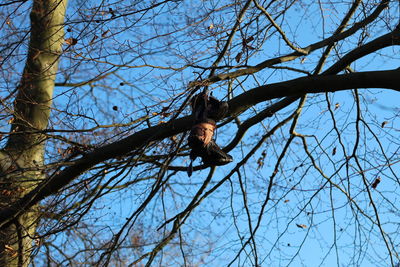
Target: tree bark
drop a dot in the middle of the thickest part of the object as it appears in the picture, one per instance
(23, 155)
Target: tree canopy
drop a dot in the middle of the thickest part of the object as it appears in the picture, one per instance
(95, 118)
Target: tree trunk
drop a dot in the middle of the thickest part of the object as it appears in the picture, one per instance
(23, 156)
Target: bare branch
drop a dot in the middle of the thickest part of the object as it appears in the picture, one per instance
(313, 84)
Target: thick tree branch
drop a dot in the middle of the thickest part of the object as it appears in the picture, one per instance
(389, 79)
(316, 84)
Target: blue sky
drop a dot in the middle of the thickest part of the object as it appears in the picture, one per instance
(292, 224)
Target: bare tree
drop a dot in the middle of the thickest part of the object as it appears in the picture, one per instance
(95, 118)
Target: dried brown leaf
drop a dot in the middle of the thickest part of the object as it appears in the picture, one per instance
(238, 57)
(248, 40)
(71, 41)
(302, 226)
(376, 182)
(104, 34)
